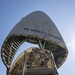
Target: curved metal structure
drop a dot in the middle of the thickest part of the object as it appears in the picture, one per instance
(35, 28)
(35, 64)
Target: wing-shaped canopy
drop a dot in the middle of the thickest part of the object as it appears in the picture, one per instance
(32, 28)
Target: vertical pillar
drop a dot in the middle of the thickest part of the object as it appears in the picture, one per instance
(54, 65)
(42, 45)
(24, 65)
(7, 71)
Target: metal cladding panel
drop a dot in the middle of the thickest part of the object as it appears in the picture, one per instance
(40, 25)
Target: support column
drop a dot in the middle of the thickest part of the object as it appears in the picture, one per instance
(54, 65)
(7, 71)
(24, 65)
(42, 45)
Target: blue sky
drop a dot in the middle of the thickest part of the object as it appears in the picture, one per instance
(62, 12)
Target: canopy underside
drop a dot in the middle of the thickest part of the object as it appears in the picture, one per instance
(12, 44)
